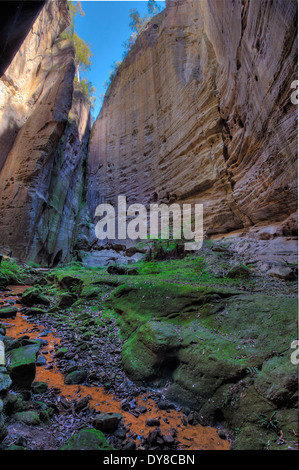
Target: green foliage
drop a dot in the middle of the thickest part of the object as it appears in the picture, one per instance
(252, 370)
(138, 24)
(269, 422)
(12, 271)
(113, 72)
(87, 89)
(83, 54)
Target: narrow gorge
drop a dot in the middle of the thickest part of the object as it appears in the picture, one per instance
(138, 344)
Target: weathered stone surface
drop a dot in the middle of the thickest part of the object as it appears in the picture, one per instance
(5, 380)
(22, 84)
(76, 377)
(21, 364)
(28, 417)
(33, 296)
(107, 422)
(44, 131)
(200, 111)
(87, 439)
(59, 221)
(14, 27)
(7, 312)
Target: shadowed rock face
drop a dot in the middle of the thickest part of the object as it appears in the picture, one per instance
(23, 82)
(44, 132)
(200, 111)
(16, 20)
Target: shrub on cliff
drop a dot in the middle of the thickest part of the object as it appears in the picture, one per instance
(83, 54)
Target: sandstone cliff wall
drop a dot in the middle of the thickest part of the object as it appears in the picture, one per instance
(200, 111)
(44, 132)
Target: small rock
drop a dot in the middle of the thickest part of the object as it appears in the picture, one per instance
(284, 272)
(130, 445)
(39, 387)
(221, 434)
(76, 377)
(41, 361)
(169, 440)
(8, 312)
(153, 422)
(107, 421)
(66, 300)
(238, 271)
(120, 433)
(163, 405)
(82, 403)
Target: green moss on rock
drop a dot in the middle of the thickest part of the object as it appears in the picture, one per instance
(87, 439)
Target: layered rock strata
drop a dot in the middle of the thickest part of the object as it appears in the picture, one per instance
(44, 133)
(200, 111)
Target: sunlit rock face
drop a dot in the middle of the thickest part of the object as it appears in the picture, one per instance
(201, 112)
(44, 132)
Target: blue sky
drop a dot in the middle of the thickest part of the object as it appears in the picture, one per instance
(105, 27)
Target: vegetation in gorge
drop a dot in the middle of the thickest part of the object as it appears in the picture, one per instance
(138, 24)
(203, 328)
(12, 273)
(83, 54)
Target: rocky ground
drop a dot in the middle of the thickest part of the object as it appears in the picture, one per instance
(205, 338)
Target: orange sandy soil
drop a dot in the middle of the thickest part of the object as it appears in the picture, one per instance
(190, 437)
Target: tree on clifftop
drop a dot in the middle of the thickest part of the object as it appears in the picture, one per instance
(83, 52)
(139, 23)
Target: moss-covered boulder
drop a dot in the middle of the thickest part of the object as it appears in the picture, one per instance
(66, 300)
(34, 295)
(226, 353)
(76, 377)
(8, 312)
(150, 350)
(90, 292)
(4, 281)
(68, 282)
(277, 381)
(164, 301)
(5, 380)
(21, 364)
(31, 418)
(87, 439)
(39, 387)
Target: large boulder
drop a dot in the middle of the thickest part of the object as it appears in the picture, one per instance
(8, 312)
(107, 422)
(87, 439)
(31, 418)
(34, 295)
(5, 380)
(68, 282)
(76, 377)
(21, 364)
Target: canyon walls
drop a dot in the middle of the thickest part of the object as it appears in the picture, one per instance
(44, 134)
(200, 111)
